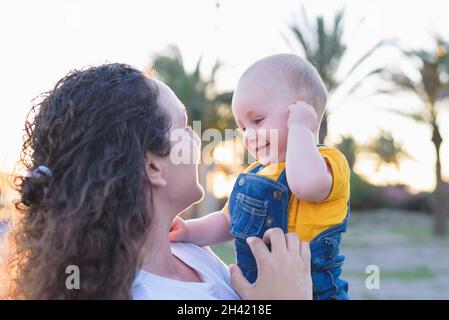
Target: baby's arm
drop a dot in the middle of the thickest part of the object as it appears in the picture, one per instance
(308, 175)
(208, 230)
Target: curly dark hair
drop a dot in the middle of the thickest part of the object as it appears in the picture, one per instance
(93, 130)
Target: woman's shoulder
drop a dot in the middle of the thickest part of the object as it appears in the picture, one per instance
(202, 257)
(188, 247)
(214, 273)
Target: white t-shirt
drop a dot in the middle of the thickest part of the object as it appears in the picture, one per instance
(212, 271)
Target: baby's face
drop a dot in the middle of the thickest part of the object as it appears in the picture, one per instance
(260, 106)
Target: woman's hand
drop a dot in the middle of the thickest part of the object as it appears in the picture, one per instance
(283, 273)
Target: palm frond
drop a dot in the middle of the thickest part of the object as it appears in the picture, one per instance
(336, 47)
(322, 43)
(403, 82)
(197, 71)
(197, 92)
(419, 116)
(303, 42)
(362, 59)
(305, 19)
(362, 80)
(224, 97)
(215, 68)
(289, 42)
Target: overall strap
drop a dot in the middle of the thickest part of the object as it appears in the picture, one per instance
(256, 168)
(283, 180)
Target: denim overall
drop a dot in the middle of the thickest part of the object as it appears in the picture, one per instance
(258, 203)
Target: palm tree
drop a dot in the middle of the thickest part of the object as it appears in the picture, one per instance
(203, 101)
(431, 85)
(349, 148)
(326, 49)
(387, 150)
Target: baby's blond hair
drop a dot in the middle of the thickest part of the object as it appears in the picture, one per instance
(302, 77)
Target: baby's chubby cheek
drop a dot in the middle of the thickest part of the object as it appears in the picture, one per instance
(278, 146)
(271, 150)
(270, 154)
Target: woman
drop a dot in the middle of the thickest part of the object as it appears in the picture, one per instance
(102, 193)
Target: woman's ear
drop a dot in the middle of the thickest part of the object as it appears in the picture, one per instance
(153, 170)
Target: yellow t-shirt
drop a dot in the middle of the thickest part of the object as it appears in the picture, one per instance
(309, 219)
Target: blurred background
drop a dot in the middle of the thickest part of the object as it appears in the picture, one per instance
(385, 64)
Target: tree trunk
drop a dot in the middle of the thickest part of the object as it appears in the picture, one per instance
(323, 129)
(441, 193)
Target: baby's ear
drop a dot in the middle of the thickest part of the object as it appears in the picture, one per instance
(154, 170)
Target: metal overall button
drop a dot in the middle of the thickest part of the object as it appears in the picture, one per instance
(277, 195)
(330, 242)
(268, 221)
(241, 181)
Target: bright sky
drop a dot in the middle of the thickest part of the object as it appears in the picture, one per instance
(43, 40)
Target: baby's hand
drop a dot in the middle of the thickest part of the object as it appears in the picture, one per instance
(304, 114)
(179, 230)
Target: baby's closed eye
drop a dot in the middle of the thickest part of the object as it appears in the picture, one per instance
(258, 120)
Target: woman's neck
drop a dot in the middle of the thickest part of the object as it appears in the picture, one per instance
(157, 258)
(156, 252)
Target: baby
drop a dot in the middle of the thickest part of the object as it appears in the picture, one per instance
(295, 184)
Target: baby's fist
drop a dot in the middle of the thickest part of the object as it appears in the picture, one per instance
(179, 230)
(304, 114)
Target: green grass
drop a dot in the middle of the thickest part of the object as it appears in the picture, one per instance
(225, 251)
(417, 233)
(411, 275)
(369, 296)
(417, 273)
